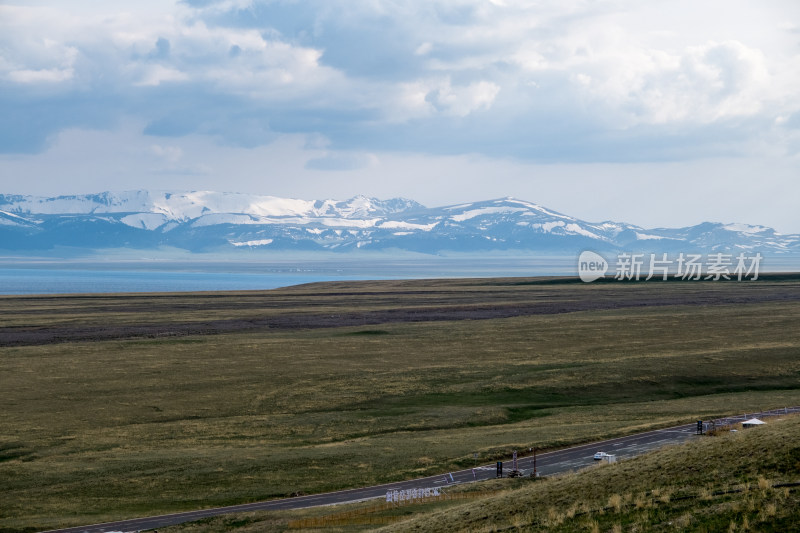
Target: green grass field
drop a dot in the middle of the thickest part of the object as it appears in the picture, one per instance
(730, 482)
(746, 481)
(165, 419)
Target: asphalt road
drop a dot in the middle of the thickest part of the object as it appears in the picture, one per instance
(547, 463)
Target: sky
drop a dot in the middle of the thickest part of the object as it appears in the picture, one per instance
(645, 111)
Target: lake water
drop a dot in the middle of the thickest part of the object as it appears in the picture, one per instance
(186, 277)
(50, 281)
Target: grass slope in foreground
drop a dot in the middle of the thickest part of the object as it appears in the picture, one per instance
(729, 482)
(723, 483)
(162, 418)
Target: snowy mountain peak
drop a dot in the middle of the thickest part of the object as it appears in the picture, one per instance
(186, 206)
(504, 206)
(362, 206)
(208, 220)
(747, 228)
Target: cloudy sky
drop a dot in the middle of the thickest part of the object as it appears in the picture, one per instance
(652, 112)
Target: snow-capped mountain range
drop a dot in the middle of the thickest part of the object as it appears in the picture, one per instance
(211, 221)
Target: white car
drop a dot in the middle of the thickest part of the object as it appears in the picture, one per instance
(600, 455)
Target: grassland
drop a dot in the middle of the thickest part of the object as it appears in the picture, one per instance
(745, 481)
(121, 406)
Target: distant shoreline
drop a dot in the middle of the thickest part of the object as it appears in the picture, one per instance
(47, 277)
(42, 276)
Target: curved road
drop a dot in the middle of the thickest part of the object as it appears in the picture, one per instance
(547, 463)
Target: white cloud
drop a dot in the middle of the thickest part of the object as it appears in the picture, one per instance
(342, 161)
(431, 97)
(224, 6)
(32, 58)
(461, 101)
(153, 75)
(424, 49)
(633, 66)
(52, 75)
(172, 154)
(120, 48)
(703, 84)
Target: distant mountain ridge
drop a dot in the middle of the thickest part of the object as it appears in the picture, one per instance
(205, 221)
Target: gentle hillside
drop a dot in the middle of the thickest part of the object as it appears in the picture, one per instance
(744, 481)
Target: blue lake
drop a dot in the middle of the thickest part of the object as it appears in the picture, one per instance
(88, 277)
(186, 276)
(24, 277)
(56, 281)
